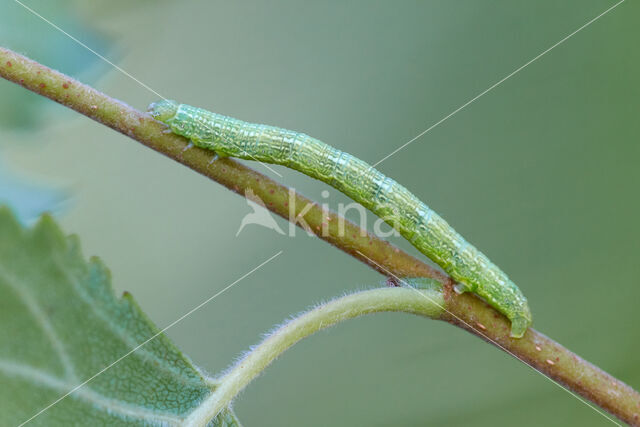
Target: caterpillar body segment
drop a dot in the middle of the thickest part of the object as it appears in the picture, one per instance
(392, 202)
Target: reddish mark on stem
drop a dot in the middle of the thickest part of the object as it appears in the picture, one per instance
(9, 64)
(392, 282)
(65, 85)
(42, 85)
(271, 191)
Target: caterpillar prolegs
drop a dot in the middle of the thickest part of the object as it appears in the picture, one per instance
(392, 202)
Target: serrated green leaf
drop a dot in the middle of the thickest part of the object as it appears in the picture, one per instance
(60, 324)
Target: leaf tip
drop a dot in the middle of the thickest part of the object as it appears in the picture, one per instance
(8, 221)
(47, 229)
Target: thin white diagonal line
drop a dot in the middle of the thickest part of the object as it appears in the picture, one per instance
(262, 163)
(149, 339)
(115, 66)
(499, 82)
(407, 285)
(88, 48)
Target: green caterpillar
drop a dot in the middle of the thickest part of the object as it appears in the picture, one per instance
(392, 202)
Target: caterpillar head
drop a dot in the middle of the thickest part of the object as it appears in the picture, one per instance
(163, 110)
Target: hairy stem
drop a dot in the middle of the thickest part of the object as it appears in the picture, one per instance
(466, 311)
(425, 302)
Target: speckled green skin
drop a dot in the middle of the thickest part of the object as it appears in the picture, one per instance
(392, 202)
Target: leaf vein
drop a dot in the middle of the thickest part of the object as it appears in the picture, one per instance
(130, 342)
(43, 321)
(112, 406)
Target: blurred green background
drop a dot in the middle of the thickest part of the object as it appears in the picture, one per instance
(541, 174)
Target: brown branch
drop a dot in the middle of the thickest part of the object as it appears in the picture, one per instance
(466, 311)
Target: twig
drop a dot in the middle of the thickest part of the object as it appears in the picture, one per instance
(466, 311)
